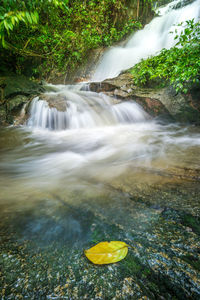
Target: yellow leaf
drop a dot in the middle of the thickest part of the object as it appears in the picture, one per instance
(107, 252)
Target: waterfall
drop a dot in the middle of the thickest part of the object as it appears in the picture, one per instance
(82, 110)
(148, 41)
(75, 134)
(75, 107)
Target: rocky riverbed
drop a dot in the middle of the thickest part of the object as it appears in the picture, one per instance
(42, 244)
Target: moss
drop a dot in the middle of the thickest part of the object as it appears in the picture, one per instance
(131, 265)
(192, 260)
(97, 236)
(191, 221)
(151, 283)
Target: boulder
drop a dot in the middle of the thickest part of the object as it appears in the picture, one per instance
(158, 102)
(19, 85)
(59, 102)
(16, 90)
(122, 87)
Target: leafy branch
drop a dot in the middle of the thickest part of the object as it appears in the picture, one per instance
(11, 19)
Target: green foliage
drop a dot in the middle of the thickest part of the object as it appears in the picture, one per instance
(11, 19)
(179, 65)
(59, 34)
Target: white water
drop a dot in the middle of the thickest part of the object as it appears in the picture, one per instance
(84, 110)
(96, 138)
(146, 42)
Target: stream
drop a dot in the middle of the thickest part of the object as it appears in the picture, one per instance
(100, 169)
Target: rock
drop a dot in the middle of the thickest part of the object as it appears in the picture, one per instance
(184, 108)
(17, 102)
(123, 82)
(158, 102)
(123, 88)
(59, 102)
(14, 107)
(16, 90)
(20, 85)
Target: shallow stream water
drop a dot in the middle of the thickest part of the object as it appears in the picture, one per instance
(63, 191)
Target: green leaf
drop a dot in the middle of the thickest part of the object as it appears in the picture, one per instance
(28, 17)
(6, 25)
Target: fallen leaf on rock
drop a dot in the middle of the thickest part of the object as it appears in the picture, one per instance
(107, 252)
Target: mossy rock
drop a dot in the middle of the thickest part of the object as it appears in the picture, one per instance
(20, 85)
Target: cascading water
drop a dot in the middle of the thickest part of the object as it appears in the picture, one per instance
(148, 41)
(85, 133)
(97, 135)
(93, 131)
(83, 110)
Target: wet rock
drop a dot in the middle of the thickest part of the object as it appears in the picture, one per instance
(184, 108)
(123, 88)
(181, 4)
(123, 82)
(59, 102)
(16, 90)
(11, 110)
(20, 85)
(14, 107)
(163, 264)
(17, 102)
(158, 102)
